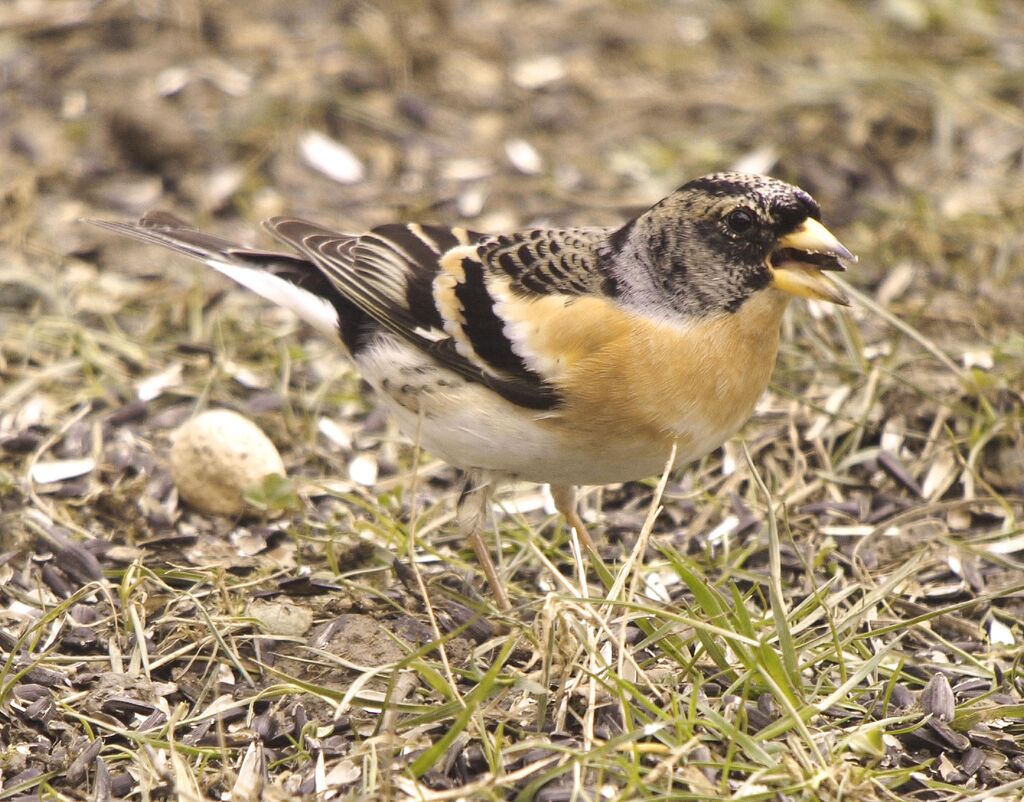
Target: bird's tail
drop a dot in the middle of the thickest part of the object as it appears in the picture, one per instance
(286, 279)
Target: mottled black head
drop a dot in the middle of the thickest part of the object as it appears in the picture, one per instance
(707, 247)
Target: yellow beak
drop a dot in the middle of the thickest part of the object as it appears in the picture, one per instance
(805, 279)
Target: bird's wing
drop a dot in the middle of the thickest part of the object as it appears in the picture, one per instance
(548, 261)
(491, 295)
(388, 272)
(444, 289)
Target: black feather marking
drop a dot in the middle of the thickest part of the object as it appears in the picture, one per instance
(545, 262)
(557, 268)
(530, 395)
(813, 209)
(419, 281)
(791, 212)
(419, 296)
(752, 282)
(535, 284)
(355, 326)
(483, 327)
(444, 238)
(717, 186)
(403, 239)
(508, 263)
(617, 241)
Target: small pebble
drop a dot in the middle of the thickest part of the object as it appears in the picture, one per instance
(217, 457)
(281, 619)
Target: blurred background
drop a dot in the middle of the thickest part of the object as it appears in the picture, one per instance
(905, 118)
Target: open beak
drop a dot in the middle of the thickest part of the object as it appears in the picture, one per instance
(801, 256)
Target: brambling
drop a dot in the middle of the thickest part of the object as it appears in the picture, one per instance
(567, 356)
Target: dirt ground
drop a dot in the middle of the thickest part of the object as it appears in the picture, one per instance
(856, 634)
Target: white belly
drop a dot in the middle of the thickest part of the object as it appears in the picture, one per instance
(471, 427)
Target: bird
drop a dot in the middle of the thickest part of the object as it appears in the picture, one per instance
(564, 356)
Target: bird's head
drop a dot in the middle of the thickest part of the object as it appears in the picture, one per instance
(719, 240)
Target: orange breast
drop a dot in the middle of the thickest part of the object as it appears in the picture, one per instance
(626, 376)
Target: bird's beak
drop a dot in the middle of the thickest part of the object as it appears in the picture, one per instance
(801, 256)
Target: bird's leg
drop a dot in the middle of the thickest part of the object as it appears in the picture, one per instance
(564, 497)
(471, 514)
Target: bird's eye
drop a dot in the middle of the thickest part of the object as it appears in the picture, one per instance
(740, 221)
